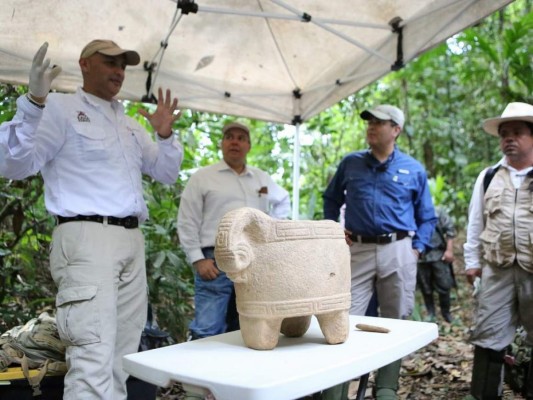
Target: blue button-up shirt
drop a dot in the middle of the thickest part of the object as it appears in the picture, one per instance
(383, 197)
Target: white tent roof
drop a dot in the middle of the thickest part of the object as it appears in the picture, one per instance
(275, 60)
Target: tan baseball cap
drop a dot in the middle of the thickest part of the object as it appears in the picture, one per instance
(110, 48)
(236, 125)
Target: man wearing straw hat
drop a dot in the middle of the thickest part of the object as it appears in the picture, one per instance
(499, 250)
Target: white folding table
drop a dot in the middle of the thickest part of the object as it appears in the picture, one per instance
(297, 367)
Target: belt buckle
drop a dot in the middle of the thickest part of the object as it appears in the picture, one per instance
(385, 238)
(130, 223)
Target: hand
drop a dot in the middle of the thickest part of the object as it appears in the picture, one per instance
(472, 273)
(448, 257)
(163, 117)
(206, 269)
(347, 235)
(417, 253)
(41, 76)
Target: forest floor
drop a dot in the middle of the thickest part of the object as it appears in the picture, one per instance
(440, 371)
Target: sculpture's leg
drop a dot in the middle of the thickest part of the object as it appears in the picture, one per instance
(335, 326)
(295, 326)
(260, 334)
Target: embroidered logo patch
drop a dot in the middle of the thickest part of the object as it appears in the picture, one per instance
(82, 117)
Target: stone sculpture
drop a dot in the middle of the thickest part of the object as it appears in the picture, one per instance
(284, 272)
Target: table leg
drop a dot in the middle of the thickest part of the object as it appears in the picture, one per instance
(363, 381)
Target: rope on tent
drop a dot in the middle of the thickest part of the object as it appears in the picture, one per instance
(186, 6)
(396, 28)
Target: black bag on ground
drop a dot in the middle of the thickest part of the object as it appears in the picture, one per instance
(517, 363)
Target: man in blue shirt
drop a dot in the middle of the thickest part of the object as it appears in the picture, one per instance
(389, 220)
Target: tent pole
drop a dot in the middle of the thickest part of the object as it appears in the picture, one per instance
(296, 174)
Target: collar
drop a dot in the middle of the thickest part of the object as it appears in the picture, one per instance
(374, 162)
(96, 101)
(525, 171)
(223, 166)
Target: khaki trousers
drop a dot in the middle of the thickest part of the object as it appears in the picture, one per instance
(388, 268)
(505, 301)
(99, 271)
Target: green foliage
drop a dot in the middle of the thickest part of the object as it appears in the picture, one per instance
(169, 276)
(25, 284)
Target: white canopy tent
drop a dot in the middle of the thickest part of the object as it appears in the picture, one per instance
(276, 60)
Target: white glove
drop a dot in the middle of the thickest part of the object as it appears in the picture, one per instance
(41, 76)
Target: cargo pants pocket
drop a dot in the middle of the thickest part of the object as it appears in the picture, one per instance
(77, 315)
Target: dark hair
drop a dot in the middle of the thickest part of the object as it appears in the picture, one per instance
(528, 124)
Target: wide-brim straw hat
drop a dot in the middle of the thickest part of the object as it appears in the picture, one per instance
(513, 112)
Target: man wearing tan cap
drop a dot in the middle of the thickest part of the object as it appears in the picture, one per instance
(499, 250)
(209, 194)
(92, 158)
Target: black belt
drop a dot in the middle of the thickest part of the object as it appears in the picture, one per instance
(129, 222)
(386, 238)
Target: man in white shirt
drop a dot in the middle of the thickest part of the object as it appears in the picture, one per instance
(92, 158)
(498, 249)
(209, 194)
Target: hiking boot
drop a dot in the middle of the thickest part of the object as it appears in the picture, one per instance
(444, 301)
(487, 374)
(430, 307)
(387, 381)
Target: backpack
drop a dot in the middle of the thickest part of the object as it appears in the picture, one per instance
(152, 337)
(35, 345)
(517, 362)
(488, 177)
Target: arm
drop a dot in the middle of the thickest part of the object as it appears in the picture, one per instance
(447, 228)
(335, 194)
(17, 137)
(161, 160)
(190, 219)
(425, 216)
(472, 246)
(279, 200)
(448, 253)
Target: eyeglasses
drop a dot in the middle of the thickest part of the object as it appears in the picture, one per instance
(380, 122)
(239, 137)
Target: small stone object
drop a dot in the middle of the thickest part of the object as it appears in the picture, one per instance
(284, 272)
(372, 328)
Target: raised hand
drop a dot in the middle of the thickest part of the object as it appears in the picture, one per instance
(164, 115)
(41, 76)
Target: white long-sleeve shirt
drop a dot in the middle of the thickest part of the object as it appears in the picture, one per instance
(214, 190)
(90, 154)
(473, 247)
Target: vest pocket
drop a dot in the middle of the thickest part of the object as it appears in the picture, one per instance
(493, 204)
(491, 247)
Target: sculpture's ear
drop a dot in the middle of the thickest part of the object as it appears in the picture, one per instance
(243, 255)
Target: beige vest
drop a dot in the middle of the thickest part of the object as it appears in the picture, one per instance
(508, 215)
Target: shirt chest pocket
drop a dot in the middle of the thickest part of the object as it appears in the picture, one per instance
(91, 141)
(399, 187)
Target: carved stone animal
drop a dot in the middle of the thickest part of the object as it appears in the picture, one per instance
(284, 272)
